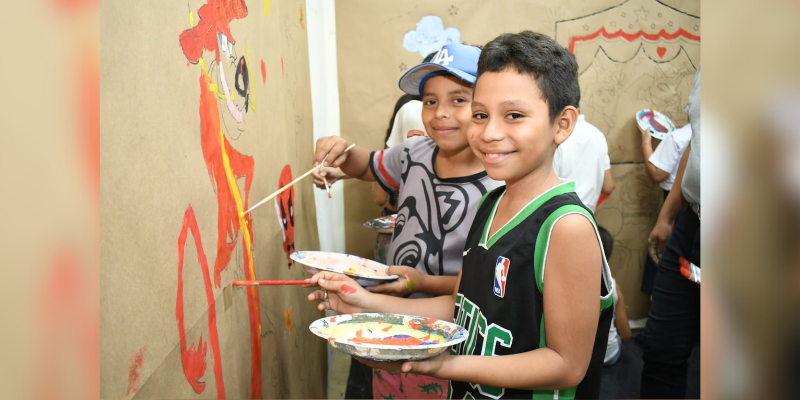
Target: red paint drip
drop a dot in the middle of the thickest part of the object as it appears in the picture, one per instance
(288, 314)
(194, 360)
(134, 371)
(263, 72)
(620, 148)
(281, 65)
(348, 289)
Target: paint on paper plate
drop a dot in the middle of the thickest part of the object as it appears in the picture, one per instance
(386, 222)
(657, 123)
(365, 272)
(388, 337)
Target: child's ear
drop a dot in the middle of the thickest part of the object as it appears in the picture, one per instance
(565, 122)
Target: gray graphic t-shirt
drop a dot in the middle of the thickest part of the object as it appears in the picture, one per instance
(434, 214)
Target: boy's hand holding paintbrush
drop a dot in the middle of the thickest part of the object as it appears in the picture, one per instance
(352, 160)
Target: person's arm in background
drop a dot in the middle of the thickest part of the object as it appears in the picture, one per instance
(672, 206)
(411, 280)
(621, 316)
(608, 183)
(655, 173)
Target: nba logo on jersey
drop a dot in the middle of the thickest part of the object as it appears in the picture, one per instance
(500, 273)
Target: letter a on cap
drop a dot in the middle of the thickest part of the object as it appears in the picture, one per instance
(443, 58)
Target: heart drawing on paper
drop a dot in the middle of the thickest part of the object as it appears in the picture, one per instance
(661, 51)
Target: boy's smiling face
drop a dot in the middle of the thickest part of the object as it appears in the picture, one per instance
(446, 111)
(511, 132)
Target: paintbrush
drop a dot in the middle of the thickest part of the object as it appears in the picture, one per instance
(268, 283)
(291, 183)
(325, 181)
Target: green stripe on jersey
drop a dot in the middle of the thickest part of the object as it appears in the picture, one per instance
(526, 212)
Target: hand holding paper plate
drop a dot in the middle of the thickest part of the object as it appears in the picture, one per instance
(388, 337)
(365, 272)
(657, 123)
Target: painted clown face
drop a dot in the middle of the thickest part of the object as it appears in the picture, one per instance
(284, 204)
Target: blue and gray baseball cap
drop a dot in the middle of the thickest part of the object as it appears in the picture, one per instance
(456, 59)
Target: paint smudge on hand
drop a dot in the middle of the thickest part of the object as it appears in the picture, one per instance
(134, 371)
(348, 289)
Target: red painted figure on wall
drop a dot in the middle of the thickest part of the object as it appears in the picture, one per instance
(225, 167)
(284, 205)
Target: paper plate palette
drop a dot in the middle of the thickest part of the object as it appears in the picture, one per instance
(388, 337)
(657, 123)
(386, 222)
(365, 272)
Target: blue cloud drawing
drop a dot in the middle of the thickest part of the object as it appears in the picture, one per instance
(430, 36)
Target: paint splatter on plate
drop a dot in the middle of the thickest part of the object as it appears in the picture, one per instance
(388, 337)
(386, 222)
(366, 272)
(657, 123)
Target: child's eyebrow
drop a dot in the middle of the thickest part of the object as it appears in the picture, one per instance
(515, 103)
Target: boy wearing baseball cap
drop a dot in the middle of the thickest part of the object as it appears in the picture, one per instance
(439, 182)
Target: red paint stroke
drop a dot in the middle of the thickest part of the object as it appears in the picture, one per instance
(134, 371)
(631, 36)
(70, 7)
(348, 289)
(263, 72)
(284, 204)
(69, 320)
(393, 341)
(228, 225)
(601, 199)
(661, 51)
(419, 324)
(215, 18)
(620, 148)
(288, 314)
(194, 360)
(89, 111)
(281, 65)
(387, 328)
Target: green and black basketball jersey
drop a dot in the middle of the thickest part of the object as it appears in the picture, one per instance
(500, 298)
